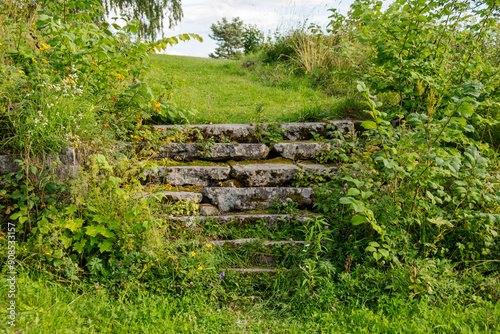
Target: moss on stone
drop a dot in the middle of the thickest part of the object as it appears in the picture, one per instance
(256, 162)
(173, 163)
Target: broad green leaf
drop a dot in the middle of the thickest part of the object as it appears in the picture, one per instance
(358, 219)
(353, 192)
(369, 125)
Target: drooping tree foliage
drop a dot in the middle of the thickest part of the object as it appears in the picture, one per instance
(150, 13)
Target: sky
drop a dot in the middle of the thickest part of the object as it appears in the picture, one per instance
(268, 15)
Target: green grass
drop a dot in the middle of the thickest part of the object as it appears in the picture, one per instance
(224, 92)
(46, 306)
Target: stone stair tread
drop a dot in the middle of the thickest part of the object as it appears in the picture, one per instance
(243, 218)
(227, 218)
(246, 133)
(241, 199)
(217, 152)
(298, 150)
(237, 242)
(252, 270)
(181, 196)
(264, 175)
(316, 167)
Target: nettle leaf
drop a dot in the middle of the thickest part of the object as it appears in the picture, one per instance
(414, 119)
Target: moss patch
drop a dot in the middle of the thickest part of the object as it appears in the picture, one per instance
(173, 163)
(256, 162)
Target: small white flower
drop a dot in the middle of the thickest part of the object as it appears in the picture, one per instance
(307, 245)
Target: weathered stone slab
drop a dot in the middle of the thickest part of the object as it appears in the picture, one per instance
(238, 242)
(239, 199)
(67, 164)
(201, 176)
(298, 150)
(218, 152)
(317, 167)
(233, 243)
(182, 196)
(303, 131)
(252, 270)
(264, 175)
(267, 219)
(208, 210)
(7, 164)
(245, 133)
(241, 133)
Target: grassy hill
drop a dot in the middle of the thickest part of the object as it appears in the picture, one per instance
(223, 91)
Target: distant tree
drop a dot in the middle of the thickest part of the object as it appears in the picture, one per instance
(228, 36)
(252, 39)
(150, 13)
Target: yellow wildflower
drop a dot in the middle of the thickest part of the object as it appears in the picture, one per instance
(193, 253)
(200, 268)
(22, 72)
(208, 246)
(34, 60)
(44, 61)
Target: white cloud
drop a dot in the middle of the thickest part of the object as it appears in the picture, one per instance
(269, 16)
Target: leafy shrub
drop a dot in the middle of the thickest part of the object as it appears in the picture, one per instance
(252, 39)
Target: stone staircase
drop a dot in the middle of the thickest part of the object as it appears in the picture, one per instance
(237, 179)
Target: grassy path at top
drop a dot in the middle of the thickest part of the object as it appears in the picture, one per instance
(222, 91)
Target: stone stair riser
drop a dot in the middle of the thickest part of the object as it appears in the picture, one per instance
(249, 133)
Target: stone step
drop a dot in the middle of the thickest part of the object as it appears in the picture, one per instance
(264, 175)
(246, 175)
(238, 242)
(298, 150)
(175, 196)
(252, 270)
(217, 152)
(241, 199)
(200, 176)
(248, 133)
(243, 219)
(317, 167)
(67, 164)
